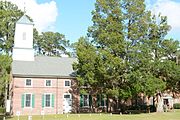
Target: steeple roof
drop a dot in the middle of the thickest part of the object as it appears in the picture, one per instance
(24, 20)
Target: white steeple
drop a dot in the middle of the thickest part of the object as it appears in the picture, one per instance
(23, 40)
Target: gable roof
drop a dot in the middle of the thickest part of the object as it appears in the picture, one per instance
(44, 66)
(24, 20)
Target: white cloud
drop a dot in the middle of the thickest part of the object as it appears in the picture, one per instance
(44, 14)
(169, 8)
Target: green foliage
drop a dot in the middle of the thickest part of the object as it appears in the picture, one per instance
(5, 68)
(113, 92)
(83, 92)
(9, 14)
(142, 82)
(176, 106)
(50, 43)
(2, 110)
(127, 53)
(86, 64)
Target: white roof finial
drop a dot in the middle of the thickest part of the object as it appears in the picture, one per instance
(24, 8)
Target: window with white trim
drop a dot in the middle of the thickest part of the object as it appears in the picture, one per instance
(101, 100)
(67, 83)
(85, 100)
(48, 82)
(28, 82)
(28, 100)
(47, 100)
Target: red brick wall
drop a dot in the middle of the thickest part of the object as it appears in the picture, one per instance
(38, 89)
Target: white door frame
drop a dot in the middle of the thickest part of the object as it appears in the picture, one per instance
(66, 106)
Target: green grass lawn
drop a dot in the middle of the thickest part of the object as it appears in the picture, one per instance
(152, 116)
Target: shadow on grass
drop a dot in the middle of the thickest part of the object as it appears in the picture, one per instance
(2, 116)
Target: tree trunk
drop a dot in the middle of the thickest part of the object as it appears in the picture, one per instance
(148, 104)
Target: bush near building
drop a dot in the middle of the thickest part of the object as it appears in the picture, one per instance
(176, 106)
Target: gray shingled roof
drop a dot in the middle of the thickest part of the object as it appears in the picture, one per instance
(24, 20)
(44, 66)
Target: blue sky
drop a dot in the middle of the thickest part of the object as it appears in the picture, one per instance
(73, 17)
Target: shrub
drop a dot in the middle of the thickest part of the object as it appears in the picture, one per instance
(2, 110)
(176, 106)
(152, 108)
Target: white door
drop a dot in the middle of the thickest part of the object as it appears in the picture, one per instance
(67, 103)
